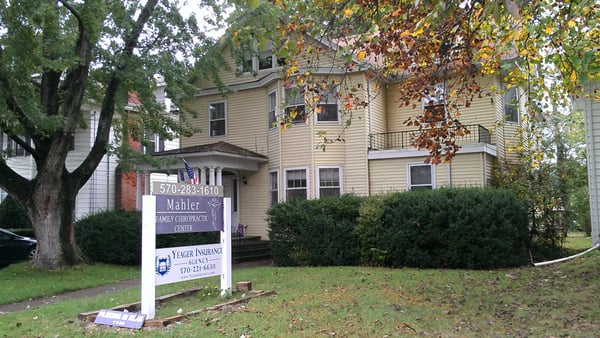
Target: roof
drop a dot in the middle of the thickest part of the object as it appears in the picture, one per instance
(220, 147)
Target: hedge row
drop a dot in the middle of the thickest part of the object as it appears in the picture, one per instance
(115, 237)
(444, 228)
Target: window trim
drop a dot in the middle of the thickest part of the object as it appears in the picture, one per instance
(285, 181)
(210, 134)
(271, 190)
(252, 55)
(409, 184)
(302, 93)
(274, 111)
(318, 179)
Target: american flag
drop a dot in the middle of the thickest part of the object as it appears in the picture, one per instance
(190, 172)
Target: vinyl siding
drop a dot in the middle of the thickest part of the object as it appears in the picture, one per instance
(467, 170)
(390, 175)
(254, 201)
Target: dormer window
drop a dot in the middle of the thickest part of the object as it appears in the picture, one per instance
(434, 104)
(260, 58)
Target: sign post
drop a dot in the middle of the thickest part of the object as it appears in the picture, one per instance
(184, 208)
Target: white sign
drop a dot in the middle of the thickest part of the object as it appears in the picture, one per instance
(183, 263)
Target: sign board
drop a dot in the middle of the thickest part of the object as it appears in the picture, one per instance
(183, 263)
(184, 208)
(130, 320)
(185, 214)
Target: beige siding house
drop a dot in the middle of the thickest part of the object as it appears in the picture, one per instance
(242, 147)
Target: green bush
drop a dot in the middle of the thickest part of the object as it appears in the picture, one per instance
(13, 214)
(114, 237)
(444, 228)
(454, 228)
(315, 232)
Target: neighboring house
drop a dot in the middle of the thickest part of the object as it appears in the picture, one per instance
(590, 103)
(242, 148)
(108, 188)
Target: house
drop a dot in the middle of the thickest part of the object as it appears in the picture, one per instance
(590, 102)
(242, 147)
(109, 187)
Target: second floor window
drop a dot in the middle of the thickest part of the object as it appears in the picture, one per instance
(327, 107)
(434, 104)
(217, 118)
(511, 105)
(272, 108)
(295, 105)
(14, 149)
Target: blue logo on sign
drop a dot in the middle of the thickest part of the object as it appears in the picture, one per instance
(163, 265)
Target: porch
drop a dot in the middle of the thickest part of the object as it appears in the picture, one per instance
(404, 139)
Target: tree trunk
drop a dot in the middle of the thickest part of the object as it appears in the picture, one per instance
(51, 212)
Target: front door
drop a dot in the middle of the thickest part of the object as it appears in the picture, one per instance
(230, 189)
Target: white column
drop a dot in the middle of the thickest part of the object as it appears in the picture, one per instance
(138, 190)
(219, 176)
(203, 176)
(146, 183)
(211, 177)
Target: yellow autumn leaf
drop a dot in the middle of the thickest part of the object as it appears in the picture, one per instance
(348, 12)
(571, 23)
(519, 148)
(418, 32)
(548, 30)
(361, 55)
(573, 77)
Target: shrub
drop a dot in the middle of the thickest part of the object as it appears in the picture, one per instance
(114, 237)
(315, 232)
(453, 228)
(13, 214)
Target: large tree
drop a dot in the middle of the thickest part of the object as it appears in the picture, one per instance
(549, 48)
(57, 55)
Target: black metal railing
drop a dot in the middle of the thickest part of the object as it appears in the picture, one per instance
(405, 139)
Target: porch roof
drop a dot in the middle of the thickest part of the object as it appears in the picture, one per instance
(220, 154)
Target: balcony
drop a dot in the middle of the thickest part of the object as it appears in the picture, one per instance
(404, 139)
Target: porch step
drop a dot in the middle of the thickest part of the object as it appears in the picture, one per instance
(249, 248)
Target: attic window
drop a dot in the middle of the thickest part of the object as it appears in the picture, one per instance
(260, 58)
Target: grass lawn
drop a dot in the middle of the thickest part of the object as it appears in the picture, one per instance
(557, 300)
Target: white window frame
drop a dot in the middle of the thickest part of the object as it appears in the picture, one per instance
(333, 96)
(409, 183)
(273, 201)
(272, 110)
(318, 180)
(298, 103)
(507, 102)
(224, 118)
(285, 181)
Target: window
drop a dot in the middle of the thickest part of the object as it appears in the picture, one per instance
(511, 105)
(274, 188)
(259, 58)
(420, 176)
(154, 144)
(272, 108)
(14, 149)
(296, 185)
(216, 119)
(327, 108)
(329, 182)
(434, 104)
(295, 105)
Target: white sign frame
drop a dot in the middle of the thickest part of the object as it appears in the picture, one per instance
(148, 274)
